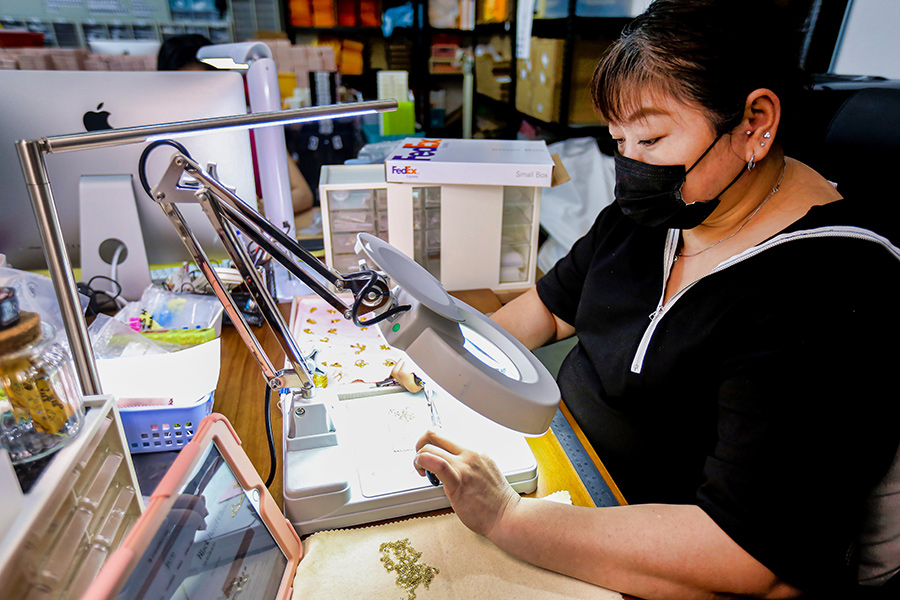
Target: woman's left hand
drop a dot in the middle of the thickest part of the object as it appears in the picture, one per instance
(478, 491)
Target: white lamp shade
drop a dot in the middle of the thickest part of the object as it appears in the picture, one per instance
(462, 351)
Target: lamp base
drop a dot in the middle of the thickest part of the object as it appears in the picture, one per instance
(367, 475)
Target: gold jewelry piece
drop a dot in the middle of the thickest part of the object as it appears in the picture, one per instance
(410, 573)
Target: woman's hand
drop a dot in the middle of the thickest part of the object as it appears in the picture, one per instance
(478, 491)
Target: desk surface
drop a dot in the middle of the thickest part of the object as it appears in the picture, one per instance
(240, 397)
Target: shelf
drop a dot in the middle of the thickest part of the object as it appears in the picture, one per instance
(341, 30)
(580, 26)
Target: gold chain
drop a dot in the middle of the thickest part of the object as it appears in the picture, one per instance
(410, 573)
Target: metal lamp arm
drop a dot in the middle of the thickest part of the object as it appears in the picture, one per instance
(226, 211)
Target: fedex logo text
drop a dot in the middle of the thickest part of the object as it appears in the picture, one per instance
(403, 170)
(420, 150)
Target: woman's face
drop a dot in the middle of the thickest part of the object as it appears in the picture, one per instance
(664, 131)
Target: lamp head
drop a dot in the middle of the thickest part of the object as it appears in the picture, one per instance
(462, 351)
(233, 56)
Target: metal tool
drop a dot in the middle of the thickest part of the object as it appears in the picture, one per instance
(435, 421)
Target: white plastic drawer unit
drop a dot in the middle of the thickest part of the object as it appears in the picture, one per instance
(468, 236)
(58, 534)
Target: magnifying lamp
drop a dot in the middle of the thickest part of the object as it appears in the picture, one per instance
(459, 349)
(465, 353)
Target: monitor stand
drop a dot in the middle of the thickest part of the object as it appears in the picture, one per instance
(108, 218)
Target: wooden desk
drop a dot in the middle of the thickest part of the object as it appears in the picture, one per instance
(240, 397)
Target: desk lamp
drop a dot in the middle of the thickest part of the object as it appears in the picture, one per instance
(254, 60)
(461, 351)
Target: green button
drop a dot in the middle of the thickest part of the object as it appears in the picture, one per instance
(396, 327)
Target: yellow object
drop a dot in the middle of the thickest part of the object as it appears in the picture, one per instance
(184, 337)
(400, 122)
(286, 84)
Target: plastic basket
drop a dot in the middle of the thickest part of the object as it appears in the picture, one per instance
(162, 428)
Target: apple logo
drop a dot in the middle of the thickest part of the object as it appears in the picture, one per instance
(96, 120)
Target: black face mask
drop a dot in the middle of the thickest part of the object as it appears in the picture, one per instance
(651, 194)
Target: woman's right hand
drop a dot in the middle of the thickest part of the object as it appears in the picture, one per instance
(478, 491)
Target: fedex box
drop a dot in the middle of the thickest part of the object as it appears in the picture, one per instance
(470, 162)
(469, 236)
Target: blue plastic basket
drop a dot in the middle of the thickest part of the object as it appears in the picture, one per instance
(162, 428)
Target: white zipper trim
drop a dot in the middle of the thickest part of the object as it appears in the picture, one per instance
(663, 307)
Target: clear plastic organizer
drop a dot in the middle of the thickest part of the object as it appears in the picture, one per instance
(162, 428)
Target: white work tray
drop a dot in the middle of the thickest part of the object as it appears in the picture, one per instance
(356, 465)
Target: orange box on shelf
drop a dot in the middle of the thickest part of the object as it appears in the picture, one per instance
(301, 13)
(323, 13)
(351, 57)
(346, 13)
(369, 13)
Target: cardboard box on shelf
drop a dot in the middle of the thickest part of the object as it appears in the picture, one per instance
(492, 11)
(539, 83)
(492, 76)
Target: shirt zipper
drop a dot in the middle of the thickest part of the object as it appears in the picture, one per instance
(663, 307)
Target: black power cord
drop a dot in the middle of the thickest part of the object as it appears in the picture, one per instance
(142, 162)
(273, 458)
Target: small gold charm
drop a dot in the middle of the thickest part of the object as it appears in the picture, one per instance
(311, 321)
(360, 363)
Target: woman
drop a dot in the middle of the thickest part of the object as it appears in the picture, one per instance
(730, 313)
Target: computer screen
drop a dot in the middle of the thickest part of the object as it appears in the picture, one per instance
(132, 47)
(37, 104)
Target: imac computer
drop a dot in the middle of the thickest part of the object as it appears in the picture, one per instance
(37, 104)
(131, 47)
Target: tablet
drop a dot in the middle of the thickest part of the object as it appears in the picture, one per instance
(211, 530)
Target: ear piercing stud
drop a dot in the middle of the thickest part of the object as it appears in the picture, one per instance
(767, 135)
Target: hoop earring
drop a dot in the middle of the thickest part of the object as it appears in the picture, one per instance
(752, 164)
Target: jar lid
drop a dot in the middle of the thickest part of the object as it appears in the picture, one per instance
(21, 333)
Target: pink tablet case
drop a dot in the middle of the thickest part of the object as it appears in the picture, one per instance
(214, 428)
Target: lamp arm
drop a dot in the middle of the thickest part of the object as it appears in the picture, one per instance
(225, 210)
(251, 223)
(37, 181)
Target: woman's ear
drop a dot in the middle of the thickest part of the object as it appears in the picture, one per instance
(762, 113)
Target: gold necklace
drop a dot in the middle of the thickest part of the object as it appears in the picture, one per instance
(774, 191)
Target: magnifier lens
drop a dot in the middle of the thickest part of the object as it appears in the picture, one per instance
(488, 353)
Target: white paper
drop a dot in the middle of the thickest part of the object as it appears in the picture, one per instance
(524, 18)
(184, 376)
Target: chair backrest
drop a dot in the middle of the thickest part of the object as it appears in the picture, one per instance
(849, 131)
(851, 135)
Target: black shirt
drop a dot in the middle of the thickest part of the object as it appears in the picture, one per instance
(766, 392)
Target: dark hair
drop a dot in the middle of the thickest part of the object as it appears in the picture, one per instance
(708, 53)
(180, 51)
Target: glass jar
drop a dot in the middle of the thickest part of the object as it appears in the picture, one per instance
(40, 404)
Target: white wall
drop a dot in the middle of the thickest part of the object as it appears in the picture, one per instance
(870, 44)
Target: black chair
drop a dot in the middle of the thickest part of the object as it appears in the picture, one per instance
(850, 133)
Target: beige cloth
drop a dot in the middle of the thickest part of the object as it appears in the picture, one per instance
(347, 564)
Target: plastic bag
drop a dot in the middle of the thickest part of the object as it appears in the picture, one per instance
(36, 293)
(161, 309)
(110, 338)
(399, 16)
